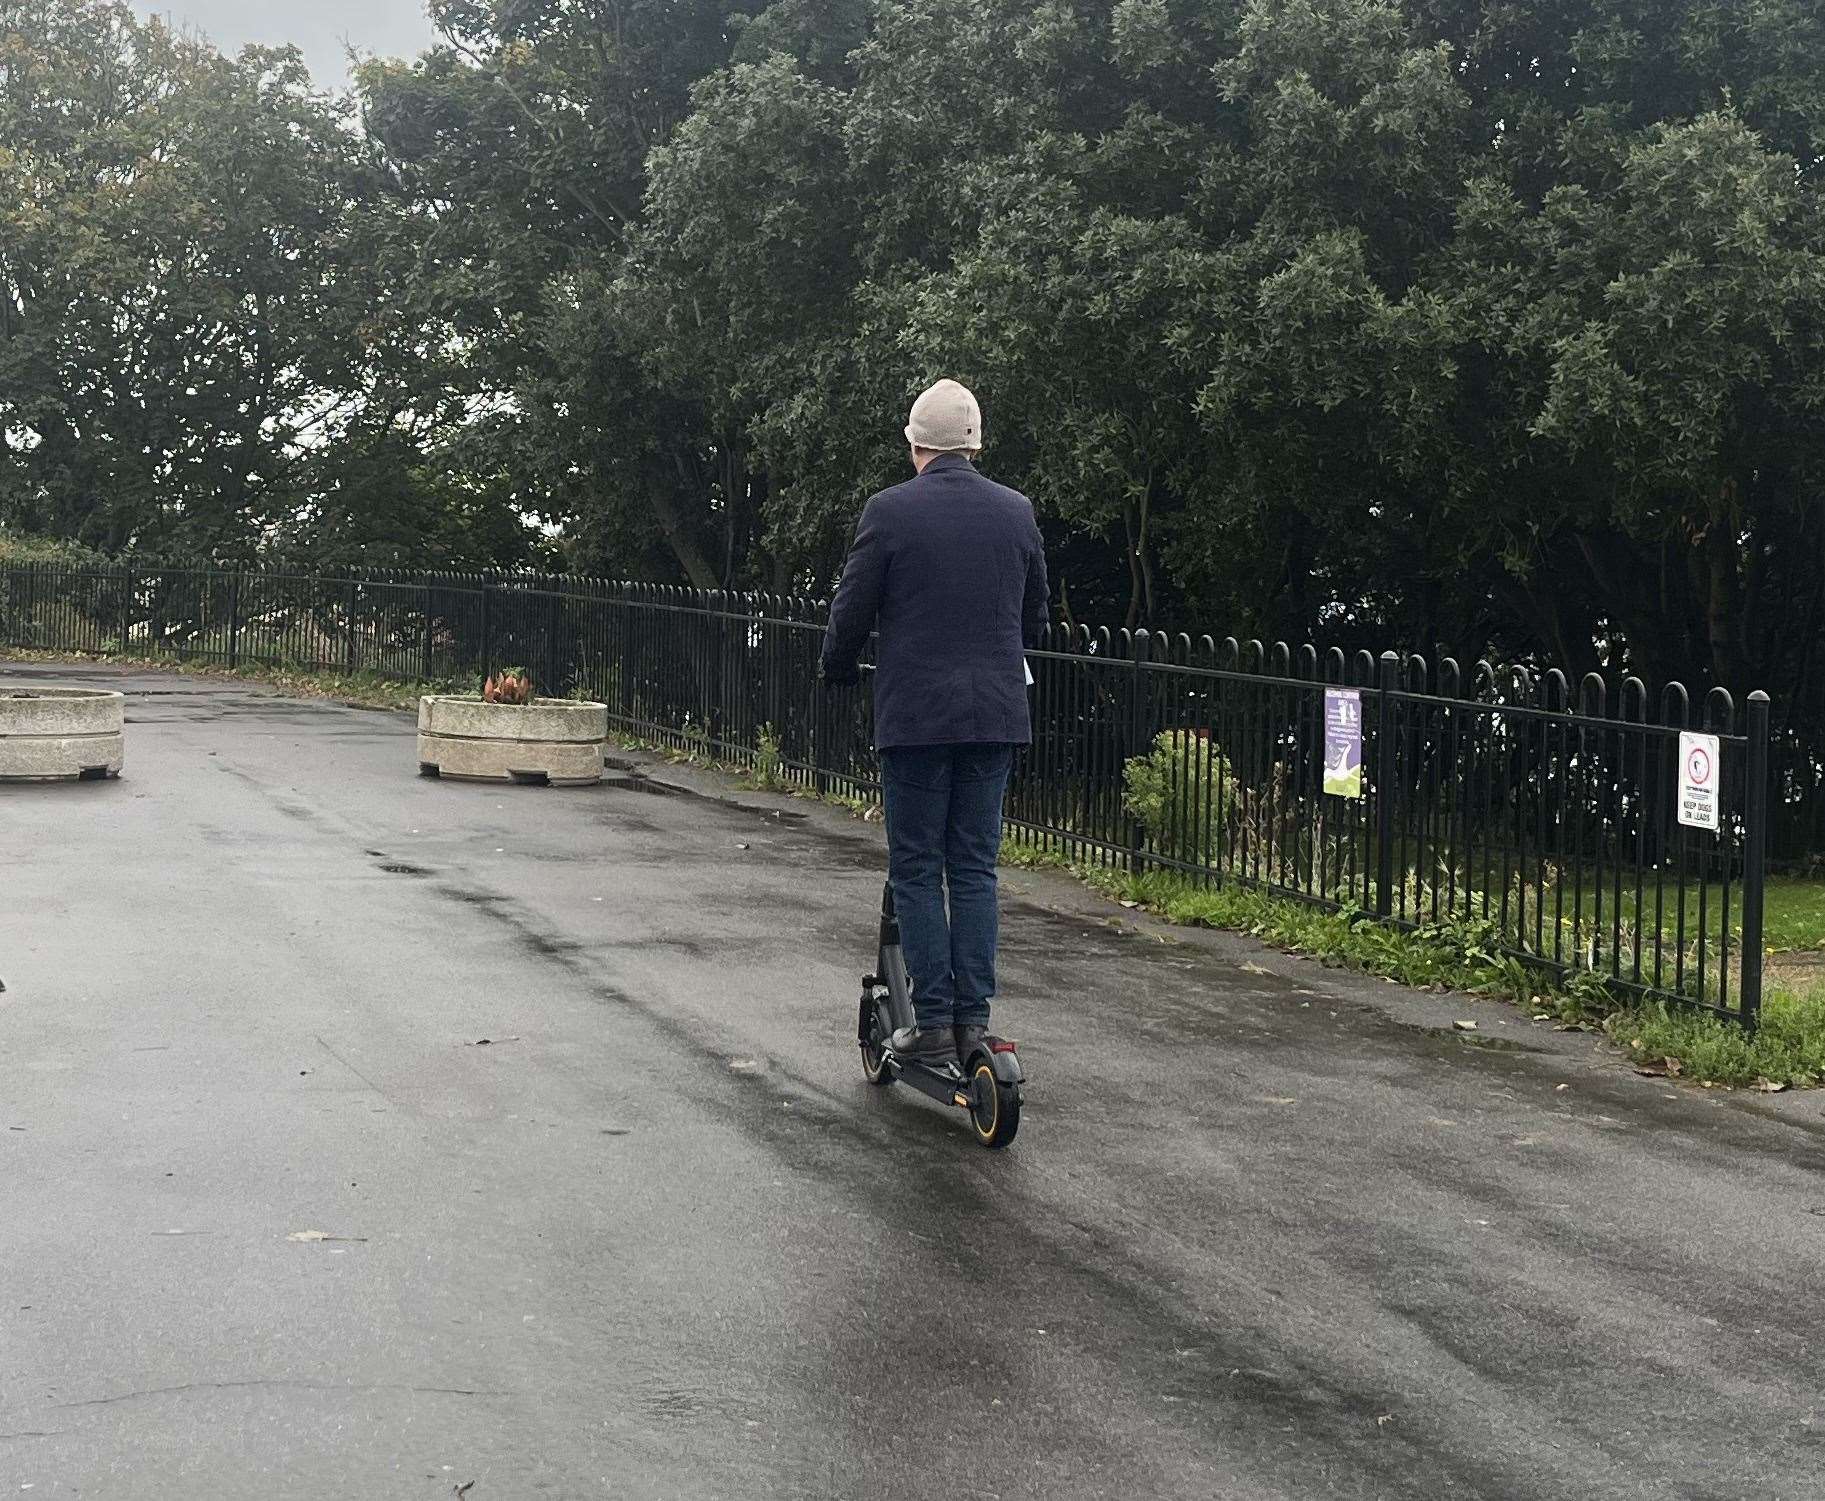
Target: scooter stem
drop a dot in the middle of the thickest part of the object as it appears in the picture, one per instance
(891, 965)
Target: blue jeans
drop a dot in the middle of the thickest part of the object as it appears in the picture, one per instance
(944, 830)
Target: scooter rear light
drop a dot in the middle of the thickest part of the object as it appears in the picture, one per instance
(1001, 1045)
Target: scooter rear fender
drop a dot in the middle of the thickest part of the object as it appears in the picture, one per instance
(1003, 1060)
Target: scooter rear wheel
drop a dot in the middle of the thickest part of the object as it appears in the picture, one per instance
(994, 1108)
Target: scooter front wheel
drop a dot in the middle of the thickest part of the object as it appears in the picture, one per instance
(994, 1108)
(874, 1058)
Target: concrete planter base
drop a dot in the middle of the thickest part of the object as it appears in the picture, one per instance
(61, 734)
(559, 741)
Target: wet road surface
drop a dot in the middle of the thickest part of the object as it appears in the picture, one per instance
(276, 1221)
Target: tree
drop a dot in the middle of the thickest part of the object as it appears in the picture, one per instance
(1493, 324)
(198, 349)
(527, 134)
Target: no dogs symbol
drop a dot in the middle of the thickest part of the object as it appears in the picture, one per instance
(1698, 768)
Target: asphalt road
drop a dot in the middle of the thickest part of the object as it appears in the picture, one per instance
(1267, 1232)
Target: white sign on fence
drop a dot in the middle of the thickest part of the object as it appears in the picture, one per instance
(1699, 768)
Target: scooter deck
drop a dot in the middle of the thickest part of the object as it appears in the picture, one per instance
(946, 1086)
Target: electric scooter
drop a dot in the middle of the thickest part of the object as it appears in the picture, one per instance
(988, 1086)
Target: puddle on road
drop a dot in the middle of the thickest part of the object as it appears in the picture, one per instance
(394, 867)
(629, 783)
(1497, 1044)
(483, 899)
(672, 1402)
(623, 778)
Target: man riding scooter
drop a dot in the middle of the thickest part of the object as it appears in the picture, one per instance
(949, 569)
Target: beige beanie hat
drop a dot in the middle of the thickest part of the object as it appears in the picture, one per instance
(945, 418)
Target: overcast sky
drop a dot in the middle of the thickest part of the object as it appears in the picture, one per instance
(395, 28)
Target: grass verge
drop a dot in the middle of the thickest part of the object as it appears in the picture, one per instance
(1786, 1051)
(362, 690)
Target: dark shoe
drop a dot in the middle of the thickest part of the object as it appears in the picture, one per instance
(935, 1048)
(969, 1037)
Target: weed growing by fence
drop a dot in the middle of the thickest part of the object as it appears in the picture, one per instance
(769, 765)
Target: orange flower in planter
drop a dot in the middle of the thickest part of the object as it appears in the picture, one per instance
(513, 686)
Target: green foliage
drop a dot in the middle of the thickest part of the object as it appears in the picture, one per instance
(1787, 1048)
(1174, 791)
(1195, 809)
(1453, 957)
(1795, 916)
(16, 548)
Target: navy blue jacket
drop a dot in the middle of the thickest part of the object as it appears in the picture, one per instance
(950, 568)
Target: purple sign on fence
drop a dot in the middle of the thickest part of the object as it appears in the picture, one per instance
(1343, 742)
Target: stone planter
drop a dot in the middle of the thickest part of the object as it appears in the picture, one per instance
(61, 734)
(559, 741)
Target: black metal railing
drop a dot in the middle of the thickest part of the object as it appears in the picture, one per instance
(1537, 819)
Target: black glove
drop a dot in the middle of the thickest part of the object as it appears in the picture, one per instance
(834, 676)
